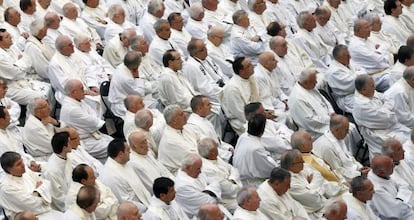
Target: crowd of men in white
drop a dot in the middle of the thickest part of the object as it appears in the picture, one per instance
(187, 75)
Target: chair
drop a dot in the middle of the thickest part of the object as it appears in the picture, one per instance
(114, 124)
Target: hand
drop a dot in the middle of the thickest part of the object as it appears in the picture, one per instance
(255, 38)
(364, 171)
(49, 120)
(91, 92)
(38, 184)
(270, 114)
(135, 73)
(309, 178)
(35, 167)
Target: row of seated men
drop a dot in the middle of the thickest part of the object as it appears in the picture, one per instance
(300, 184)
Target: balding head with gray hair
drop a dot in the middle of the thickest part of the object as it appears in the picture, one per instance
(306, 73)
(244, 194)
(169, 113)
(155, 7)
(196, 10)
(302, 17)
(79, 39)
(189, 160)
(36, 26)
(61, 42)
(71, 85)
(205, 145)
(335, 209)
(114, 10)
(143, 119)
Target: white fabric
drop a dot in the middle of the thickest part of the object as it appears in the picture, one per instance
(396, 72)
(329, 35)
(317, 51)
(77, 27)
(407, 17)
(108, 203)
(243, 214)
(387, 41)
(217, 18)
(279, 206)
(113, 29)
(396, 27)
(83, 118)
(279, 12)
(134, 9)
(221, 55)
(13, 108)
(51, 36)
(40, 54)
(276, 138)
(146, 24)
(114, 51)
(15, 32)
(341, 20)
(252, 160)
(197, 29)
(241, 45)
(150, 71)
(77, 213)
(408, 147)
(358, 210)
(174, 146)
(387, 199)
(80, 155)
(174, 88)
(95, 18)
(159, 210)
(259, 22)
(96, 65)
(377, 121)
(181, 39)
(125, 184)
(148, 168)
(189, 192)
(159, 46)
(336, 153)
(59, 172)
(403, 174)
(403, 95)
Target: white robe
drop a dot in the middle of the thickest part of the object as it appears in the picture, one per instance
(159, 46)
(59, 172)
(317, 51)
(396, 72)
(80, 155)
(174, 146)
(112, 29)
(236, 94)
(13, 108)
(125, 184)
(408, 147)
(96, 64)
(77, 213)
(148, 168)
(218, 18)
(407, 17)
(181, 39)
(10, 140)
(146, 24)
(114, 51)
(243, 214)
(337, 154)
(108, 203)
(134, 10)
(396, 27)
(40, 54)
(197, 29)
(221, 55)
(159, 210)
(310, 110)
(189, 192)
(276, 206)
(358, 210)
(276, 138)
(150, 71)
(388, 199)
(403, 95)
(387, 41)
(95, 18)
(16, 195)
(174, 88)
(83, 118)
(78, 26)
(15, 32)
(241, 45)
(252, 160)
(377, 121)
(279, 12)
(403, 174)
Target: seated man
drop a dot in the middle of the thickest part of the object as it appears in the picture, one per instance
(22, 189)
(143, 162)
(375, 116)
(362, 191)
(128, 210)
(241, 89)
(117, 22)
(39, 129)
(193, 188)
(250, 157)
(87, 200)
(162, 204)
(275, 199)
(173, 87)
(341, 76)
(326, 30)
(120, 177)
(78, 154)
(117, 47)
(52, 22)
(332, 148)
(309, 196)
(402, 93)
(336, 210)
(405, 59)
(218, 51)
(83, 175)
(161, 42)
(176, 142)
(126, 81)
(12, 107)
(58, 170)
(208, 211)
(244, 39)
(249, 203)
(195, 26)
(390, 199)
(373, 58)
(179, 35)
(155, 11)
(215, 168)
(79, 115)
(392, 22)
(199, 125)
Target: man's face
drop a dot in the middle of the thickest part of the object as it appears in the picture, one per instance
(201, 50)
(170, 195)
(126, 152)
(43, 109)
(398, 152)
(3, 89)
(368, 192)
(85, 45)
(244, 21)
(365, 30)
(177, 23)
(165, 31)
(74, 139)
(283, 186)
(4, 122)
(176, 64)
(281, 48)
(195, 170)
(119, 17)
(297, 164)
(14, 17)
(78, 92)
(247, 70)
(310, 23)
(90, 181)
(141, 145)
(259, 7)
(18, 168)
(206, 107)
(67, 48)
(6, 41)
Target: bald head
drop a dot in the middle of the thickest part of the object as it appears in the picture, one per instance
(133, 103)
(25, 215)
(268, 60)
(382, 166)
(128, 210)
(209, 211)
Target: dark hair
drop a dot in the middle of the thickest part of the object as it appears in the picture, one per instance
(273, 29)
(60, 140)
(237, 65)
(8, 159)
(405, 53)
(357, 184)
(251, 109)
(361, 81)
(79, 173)
(196, 102)
(389, 5)
(161, 185)
(2, 112)
(256, 125)
(278, 174)
(172, 16)
(167, 57)
(115, 146)
(2, 30)
(25, 4)
(87, 196)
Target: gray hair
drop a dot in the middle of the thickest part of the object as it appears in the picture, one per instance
(190, 160)
(306, 73)
(236, 15)
(196, 9)
(275, 41)
(244, 194)
(334, 206)
(251, 3)
(79, 38)
(205, 145)
(159, 23)
(288, 157)
(358, 25)
(301, 18)
(387, 146)
(154, 6)
(60, 40)
(214, 30)
(142, 117)
(338, 51)
(137, 41)
(192, 46)
(370, 17)
(408, 73)
(361, 81)
(33, 105)
(36, 26)
(169, 112)
(114, 9)
(70, 84)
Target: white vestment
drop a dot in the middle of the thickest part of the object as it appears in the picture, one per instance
(407, 17)
(237, 93)
(329, 35)
(95, 18)
(13, 108)
(59, 172)
(181, 39)
(80, 155)
(197, 29)
(190, 195)
(146, 24)
(276, 206)
(218, 18)
(108, 203)
(16, 195)
(337, 154)
(396, 27)
(358, 210)
(159, 210)
(388, 201)
(317, 51)
(387, 41)
(159, 46)
(174, 88)
(174, 147)
(341, 20)
(148, 168)
(125, 184)
(114, 51)
(134, 10)
(113, 29)
(252, 160)
(403, 95)
(15, 33)
(221, 55)
(279, 12)
(242, 45)
(51, 36)
(10, 140)
(403, 174)
(79, 115)
(378, 121)
(243, 214)
(40, 54)
(396, 72)
(150, 71)
(96, 64)
(408, 147)
(77, 213)
(77, 27)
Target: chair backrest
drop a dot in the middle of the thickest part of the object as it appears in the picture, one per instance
(326, 91)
